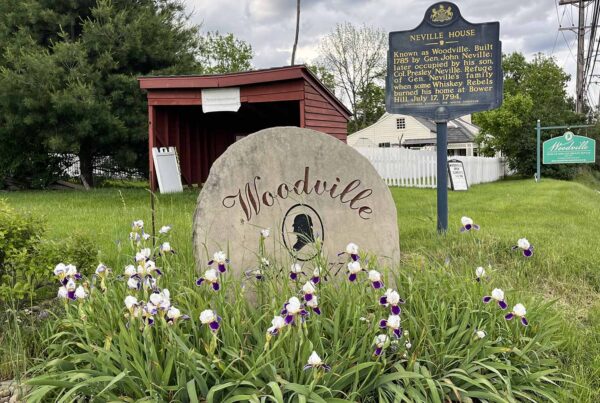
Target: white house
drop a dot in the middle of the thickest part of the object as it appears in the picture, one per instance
(417, 133)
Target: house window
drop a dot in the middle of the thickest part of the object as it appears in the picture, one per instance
(400, 123)
(384, 145)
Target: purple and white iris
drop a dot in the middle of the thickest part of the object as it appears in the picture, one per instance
(309, 291)
(210, 318)
(352, 250)
(210, 277)
(220, 258)
(161, 299)
(519, 311)
(295, 270)
(392, 299)
(316, 276)
(393, 323)
(164, 229)
(277, 324)
(314, 305)
(315, 362)
(375, 279)
(137, 225)
(143, 255)
(173, 315)
(525, 247)
(381, 342)
(254, 273)
(479, 273)
(292, 309)
(468, 225)
(165, 247)
(497, 295)
(133, 306)
(353, 269)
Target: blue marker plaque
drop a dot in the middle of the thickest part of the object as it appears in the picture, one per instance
(445, 65)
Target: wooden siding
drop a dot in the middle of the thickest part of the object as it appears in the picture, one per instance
(385, 131)
(321, 115)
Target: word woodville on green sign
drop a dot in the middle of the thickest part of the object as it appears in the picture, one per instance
(569, 149)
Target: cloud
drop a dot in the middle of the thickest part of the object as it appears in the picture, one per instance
(527, 26)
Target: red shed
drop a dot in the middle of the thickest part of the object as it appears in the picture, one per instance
(284, 96)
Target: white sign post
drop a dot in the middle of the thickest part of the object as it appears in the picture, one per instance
(167, 169)
(458, 179)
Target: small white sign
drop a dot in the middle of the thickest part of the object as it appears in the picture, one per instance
(458, 178)
(168, 174)
(221, 99)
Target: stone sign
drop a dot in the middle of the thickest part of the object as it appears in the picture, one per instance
(570, 149)
(445, 65)
(301, 184)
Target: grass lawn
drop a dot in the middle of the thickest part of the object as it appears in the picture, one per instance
(561, 219)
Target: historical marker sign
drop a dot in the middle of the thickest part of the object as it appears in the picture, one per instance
(446, 64)
(570, 149)
(301, 184)
(458, 178)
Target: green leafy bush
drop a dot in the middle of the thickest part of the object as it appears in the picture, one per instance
(27, 258)
(455, 348)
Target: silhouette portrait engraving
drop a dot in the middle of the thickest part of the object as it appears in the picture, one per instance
(300, 229)
(303, 228)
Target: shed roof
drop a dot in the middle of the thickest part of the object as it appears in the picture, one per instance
(243, 78)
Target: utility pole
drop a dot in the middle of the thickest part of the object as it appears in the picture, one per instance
(580, 61)
(580, 80)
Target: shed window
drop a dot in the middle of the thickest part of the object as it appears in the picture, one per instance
(384, 145)
(400, 123)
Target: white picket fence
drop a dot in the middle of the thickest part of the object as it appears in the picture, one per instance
(417, 168)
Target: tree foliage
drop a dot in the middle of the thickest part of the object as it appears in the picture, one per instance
(68, 78)
(356, 58)
(533, 90)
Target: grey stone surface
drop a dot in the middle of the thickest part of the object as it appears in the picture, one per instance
(292, 181)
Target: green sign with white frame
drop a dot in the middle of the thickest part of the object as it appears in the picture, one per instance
(569, 149)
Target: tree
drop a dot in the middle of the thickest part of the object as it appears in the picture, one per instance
(356, 58)
(370, 107)
(533, 90)
(224, 54)
(68, 78)
(326, 78)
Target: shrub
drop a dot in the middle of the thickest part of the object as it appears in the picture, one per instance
(103, 350)
(26, 257)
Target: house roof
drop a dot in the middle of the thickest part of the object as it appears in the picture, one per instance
(242, 78)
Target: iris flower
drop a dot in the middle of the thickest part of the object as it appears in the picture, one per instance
(525, 247)
(265, 232)
(498, 295)
(480, 334)
(315, 362)
(60, 271)
(352, 250)
(174, 314)
(468, 225)
(392, 322)
(292, 309)
(479, 273)
(80, 293)
(277, 324)
(71, 287)
(143, 255)
(137, 225)
(62, 292)
(165, 247)
(210, 277)
(210, 318)
(254, 273)
(316, 277)
(392, 299)
(220, 258)
(519, 311)
(295, 270)
(381, 341)
(161, 299)
(353, 269)
(164, 229)
(309, 291)
(132, 305)
(135, 237)
(314, 305)
(375, 278)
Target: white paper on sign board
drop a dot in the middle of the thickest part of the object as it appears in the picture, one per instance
(166, 165)
(221, 99)
(458, 179)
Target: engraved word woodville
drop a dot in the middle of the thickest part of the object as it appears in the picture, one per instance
(301, 184)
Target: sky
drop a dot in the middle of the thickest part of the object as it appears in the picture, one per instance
(526, 26)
